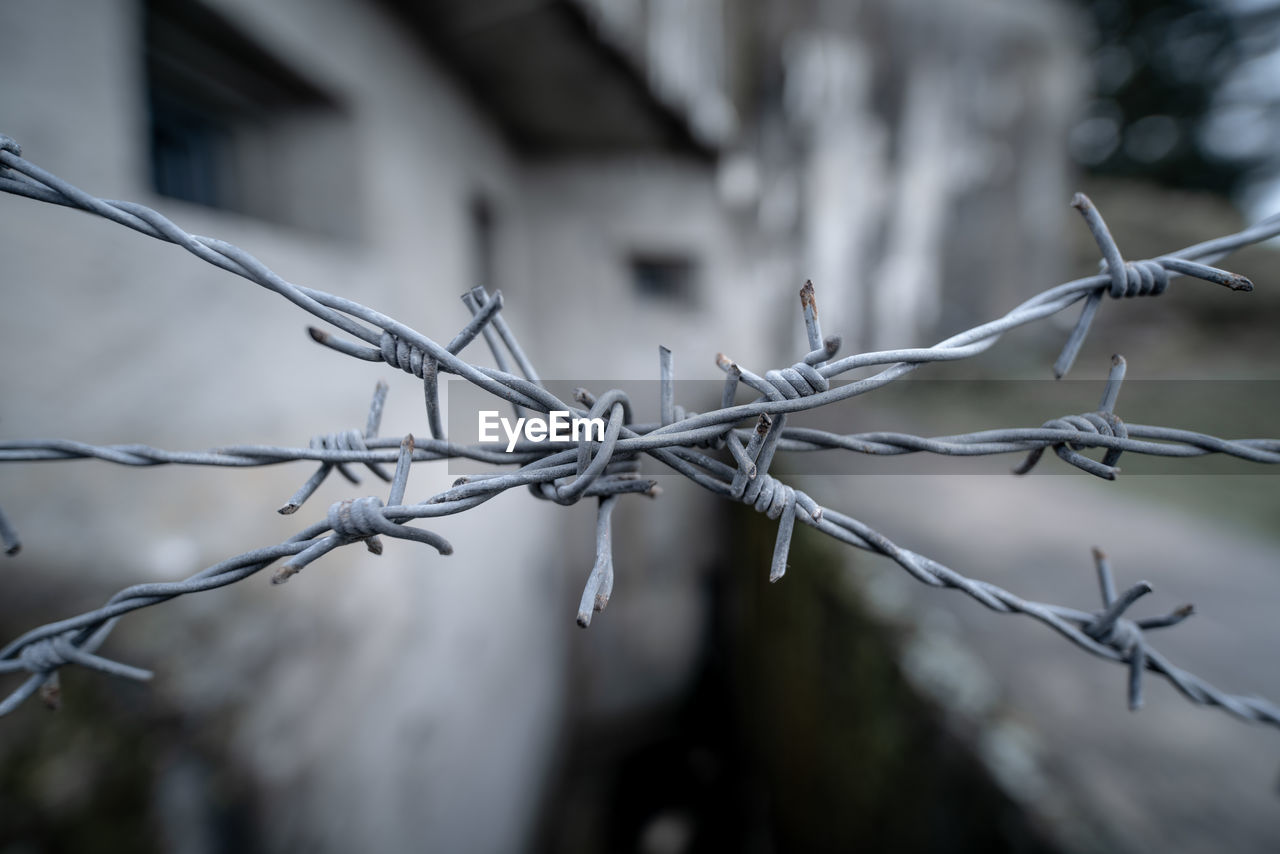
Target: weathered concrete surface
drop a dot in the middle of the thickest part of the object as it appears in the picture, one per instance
(1172, 777)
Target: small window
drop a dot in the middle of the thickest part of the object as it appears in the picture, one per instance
(233, 127)
(188, 154)
(668, 277)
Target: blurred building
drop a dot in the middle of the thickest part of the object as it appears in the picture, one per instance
(628, 173)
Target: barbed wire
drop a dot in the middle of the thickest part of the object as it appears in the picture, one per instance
(1074, 431)
(710, 448)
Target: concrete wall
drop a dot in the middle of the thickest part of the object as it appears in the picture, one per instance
(407, 701)
(915, 152)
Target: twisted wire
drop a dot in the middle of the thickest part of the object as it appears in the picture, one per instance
(607, 469)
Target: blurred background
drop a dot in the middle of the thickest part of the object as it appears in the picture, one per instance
(632, 173)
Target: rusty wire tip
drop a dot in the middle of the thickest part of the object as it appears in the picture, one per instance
(764, 423)
(1237, 282)
(404, 461)
(654, 490)
(1099, 555)
(726, 364)
(832, 344)
(51, 692)
(288, 509)
(1081, 202)
(806, 295)
(586, 398)
(283, 574)
(1115, 377)
(318, 335)
(374, 545)
(598, 602)
(460, 481)
(1171, 619)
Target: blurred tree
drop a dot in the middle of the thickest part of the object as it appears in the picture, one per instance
(1167, 73)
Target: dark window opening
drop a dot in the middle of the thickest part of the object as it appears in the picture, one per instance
(187, 154)
(233, 127)
(667, 277)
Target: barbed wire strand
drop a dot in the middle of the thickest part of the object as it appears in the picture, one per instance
(608, 468)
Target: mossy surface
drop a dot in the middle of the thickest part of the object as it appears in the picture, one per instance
(116, 767)
(854, 759)
(799, 734)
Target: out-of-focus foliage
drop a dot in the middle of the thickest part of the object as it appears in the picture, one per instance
(1187, 93)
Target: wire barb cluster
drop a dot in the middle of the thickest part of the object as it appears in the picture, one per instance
(1125, 636)
(728, 451)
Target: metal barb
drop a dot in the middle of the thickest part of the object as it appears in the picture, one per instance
(349, 441)
(1140, 278)
(1109, 626)
(1103, 423)
(809, 307)
(666, 379)
(599, 587)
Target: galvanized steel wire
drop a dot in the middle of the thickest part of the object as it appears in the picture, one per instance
(728, 451)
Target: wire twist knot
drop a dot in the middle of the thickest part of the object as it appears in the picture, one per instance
(1097, 423)
(768, 495)
(800, 380)
(1103, 422)
(344, 440)
(356, 518)
(48, 654)
(403, 355)
(1110, 627)
(1141, 279)
(1122, 635)
(776, 500)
